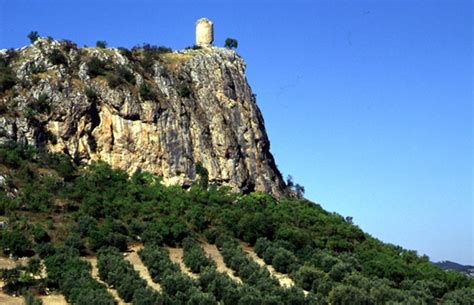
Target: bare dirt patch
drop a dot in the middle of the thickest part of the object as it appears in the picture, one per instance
(176, 256)
(285, 280)
(138, 265)
(214, 253)
(95, 275)
(53, 299)
(8, 299)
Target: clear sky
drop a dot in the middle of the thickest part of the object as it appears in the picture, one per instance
(368, 104)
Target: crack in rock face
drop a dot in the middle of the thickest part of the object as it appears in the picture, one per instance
(164, 116)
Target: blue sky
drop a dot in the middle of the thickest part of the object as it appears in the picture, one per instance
(368, 104)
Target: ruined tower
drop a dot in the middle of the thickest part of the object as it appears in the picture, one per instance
(204, 32)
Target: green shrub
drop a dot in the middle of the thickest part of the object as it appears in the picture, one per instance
(231, 43)
(119, 76)
(284, 261)
(97, 67)
(194, 256)
(40, 235)
(42, 104)
(347, 295)
(91, 93)
(72, 275)
(146, 93)
(119, 273)
(113, 80)
(146, 296)
(308, 277)
(32, 300)
(463, 296)
(7, 77)
(56, 57)
(158, 262)
(183, 90)
(33, 36)
(16, 243)
(101, 44)
(126, 74)
(126, 52)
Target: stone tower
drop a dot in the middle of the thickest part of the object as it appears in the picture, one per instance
(204, 32)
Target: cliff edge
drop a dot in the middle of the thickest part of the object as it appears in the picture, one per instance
(146, 108)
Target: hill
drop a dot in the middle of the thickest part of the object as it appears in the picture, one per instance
(448, 265)
(145, 176)
(58, 211)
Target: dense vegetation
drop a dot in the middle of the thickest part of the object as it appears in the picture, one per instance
(58, 211)
(118, 273)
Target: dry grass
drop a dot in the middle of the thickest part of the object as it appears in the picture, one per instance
(138, 265)
(284, 279)
(95, 275)
(174, 60)
(53, 299)
(176, 256)
(6, 299)
(215, 255)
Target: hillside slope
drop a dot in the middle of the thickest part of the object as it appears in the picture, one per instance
(148, 108)
(55, 210)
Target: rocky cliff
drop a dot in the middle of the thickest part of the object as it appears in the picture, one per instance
(146, 108)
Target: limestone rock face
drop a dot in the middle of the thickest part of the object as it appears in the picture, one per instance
(201, 109)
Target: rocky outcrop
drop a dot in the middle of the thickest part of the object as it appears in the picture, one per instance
(161, 115)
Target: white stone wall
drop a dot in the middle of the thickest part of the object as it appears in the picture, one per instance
(204, 32)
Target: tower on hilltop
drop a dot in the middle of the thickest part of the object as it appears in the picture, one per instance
(204, 32)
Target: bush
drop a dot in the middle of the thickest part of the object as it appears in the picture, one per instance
(56, 57)
(308, 277)
(73, 277)
(16, 243)
(119, 76)
(261, 246)
(231, 43)
(7, 77)
(97, 67)
(117, 272)
(101, 44)
(91, 93)
(146, 93)
(113, 80)
(183, 90)
(32, 300)
(219, 285)
(339, 271)
(463, 296)
(42, 104)
(347, 295)
(125, 74)
(40, 235)
(33, 36)
(194, 257)
(146, 296)
(284, 261)
(126, 52)
(157, 261)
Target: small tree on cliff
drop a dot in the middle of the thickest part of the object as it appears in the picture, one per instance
(203, 175)
(231, 43)
(33, 36)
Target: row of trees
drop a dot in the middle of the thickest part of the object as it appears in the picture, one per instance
(72, 276)
(194, 256)
(259, 277)
(119, 273)
(178, 288)
(103, 206)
